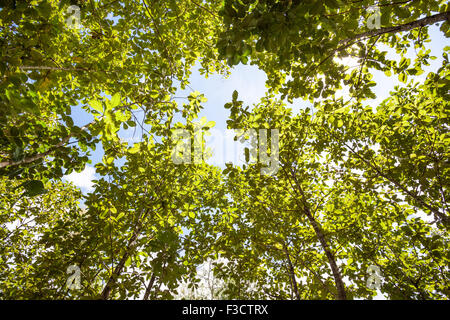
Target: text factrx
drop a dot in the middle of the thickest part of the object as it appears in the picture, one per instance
(246, 309)
(232, 309)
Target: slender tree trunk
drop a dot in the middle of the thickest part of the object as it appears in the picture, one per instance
(319, 278)
(119, 268)
(149, 287)
(340, 287)
(331, 259)
(441, 215)
(291, 273)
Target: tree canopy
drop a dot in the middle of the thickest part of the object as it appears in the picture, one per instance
(352, 186)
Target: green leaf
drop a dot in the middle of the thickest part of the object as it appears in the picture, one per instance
(134, 149)
(235, 95)
(115, 100)
(34, 188)
(96, 105)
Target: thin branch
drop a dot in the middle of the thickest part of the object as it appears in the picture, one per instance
(203, 8)
(38, 156)
(51, 68)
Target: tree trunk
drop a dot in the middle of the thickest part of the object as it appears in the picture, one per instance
(149, 287)
(331, 259)
(438, 214)
(291, 273)
(119, 268)
(323, 242)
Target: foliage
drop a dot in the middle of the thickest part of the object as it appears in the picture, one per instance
(357, 185)
(297, 42)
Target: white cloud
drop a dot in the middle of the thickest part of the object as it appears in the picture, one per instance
(82, 179)
(380, 296)
(348, 62)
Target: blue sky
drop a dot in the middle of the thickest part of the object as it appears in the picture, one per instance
(249, 81)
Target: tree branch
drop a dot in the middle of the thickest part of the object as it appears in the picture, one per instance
(444, 16)
(291, 272)
(43, 154)
(130, 247)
